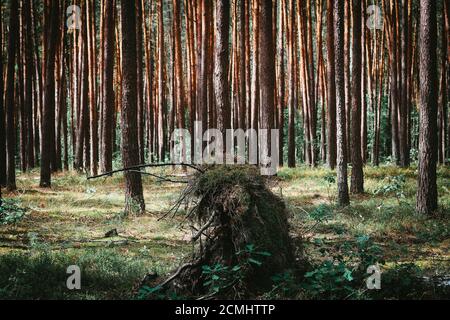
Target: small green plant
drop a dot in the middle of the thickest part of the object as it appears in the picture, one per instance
(252, 255)
(330, 180)
(147, 292)
(285, 285)
(363, 251)
(321, 214)
(217, 278)
(11, 212)
(393, 186)
(157, 293)
(343, 272)
(331, 280)
(220, 277)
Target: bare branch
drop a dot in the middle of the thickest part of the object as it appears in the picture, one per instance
(151, 165)
(176, 274)
(202, 229)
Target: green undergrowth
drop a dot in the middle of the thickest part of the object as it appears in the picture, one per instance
(42, 232)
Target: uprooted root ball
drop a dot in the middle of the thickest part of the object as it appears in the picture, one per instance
(243, 230)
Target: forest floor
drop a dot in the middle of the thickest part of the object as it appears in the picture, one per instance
(67, 225)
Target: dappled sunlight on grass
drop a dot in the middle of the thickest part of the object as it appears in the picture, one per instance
(69, 222)
(387, 217)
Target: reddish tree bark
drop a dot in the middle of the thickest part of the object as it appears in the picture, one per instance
(9, 96)
(108, 97)
(162, 128)
(331, 89)
(281, 77)
(255, 71)
(242, 66)
(48, 108)
(357, 181)
(93, 115)
(140, 86)
(291, 83)
(81, 161)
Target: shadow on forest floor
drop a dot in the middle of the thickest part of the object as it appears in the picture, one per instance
(66, 226)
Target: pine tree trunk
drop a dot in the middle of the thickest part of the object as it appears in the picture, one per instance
(242, 67)
(357, 185)
(149, 85)
(134, 199)
(347, 66)
(178, 79)
(48, 108)
(447, 75)
(9, 96)
(108, 97)
(20, 92)
(140, 86)
(255, 70)
(267, 72)
(92, 88)
(60, 103)
(161, 87)
(443, 103)
(364, 33)
(2, 114)
(304, 80)
(312, 84)
(202, 83)
(403, 105)
(192, 94)
(343, 196)
(38, 86)
(291, 84)
(331, 89)
(63, 109)
(427, 196)
(281, 78)
(248, 82)
(395, 143)
(221, 62)
(83, 121)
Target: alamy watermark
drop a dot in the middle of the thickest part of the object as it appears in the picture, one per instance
(257, 147)
(74, 280)
(373, 282)
(73, 21)
(375, 20)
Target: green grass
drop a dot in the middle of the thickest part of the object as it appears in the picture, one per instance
(66, 225)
